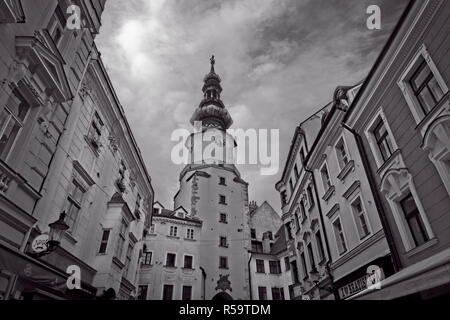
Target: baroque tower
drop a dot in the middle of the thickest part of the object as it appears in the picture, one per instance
(212, 189)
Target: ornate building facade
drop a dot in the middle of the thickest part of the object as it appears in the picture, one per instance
(75, 192)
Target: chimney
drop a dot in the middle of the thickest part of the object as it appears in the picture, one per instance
(266, 242)
(252, 206)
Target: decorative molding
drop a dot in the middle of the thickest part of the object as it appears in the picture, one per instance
(355, 186)
(349, 167)
(331, 190)
(333, 210)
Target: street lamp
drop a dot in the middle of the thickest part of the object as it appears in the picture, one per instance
(57, 230)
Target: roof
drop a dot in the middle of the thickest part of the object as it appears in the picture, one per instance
(165, 213)
(280, 244)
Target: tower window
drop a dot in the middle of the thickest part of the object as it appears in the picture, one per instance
(223, 218)
(223, 242)
(222, 181)
(223, 263)
(253, 233)
(222, 199)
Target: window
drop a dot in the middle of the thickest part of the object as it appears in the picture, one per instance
(287, 264)
(289, 230)
(257, 246)
(262, 293)
(414, 221)
(277, 294)
(170, 259)
(128, 257)
(303, 210)
(312, 261)
(95, 131)
(422, 84)
(222, 199)
(302, 156)
(138, 201)
(147, 261)
(121, 239)
(223, 262)
(291, 185)
(223, 242)
(310, 196)
(190, 234)
(360, 218)
(75, 199)
(142, 292)
(274, 267)
(339, 235)
(168, 292)
(57, 24)
(12, 120)
(305, 269)
(222, 181)
(320, 246)
(173, 231)
(260, 266)
(186, 293)
(104, 241)
(253, 233)
(383, 140)
(425, 87)
(152, 228)
(188, 262)
(297, 174)
(223, 218)
(341, 153)
(297, 219)
(325, 177)
(269, 235)
(283, 198)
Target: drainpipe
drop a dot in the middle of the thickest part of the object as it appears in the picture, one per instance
(373, 187)
(204, 283)
(327, 244)
(250, 277)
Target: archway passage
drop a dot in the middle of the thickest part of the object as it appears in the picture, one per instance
(222, 296)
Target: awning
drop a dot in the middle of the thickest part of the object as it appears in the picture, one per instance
(424, 275)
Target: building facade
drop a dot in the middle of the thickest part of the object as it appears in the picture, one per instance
(270, 270)
(66, 147)
(401, 115)
(170, 265)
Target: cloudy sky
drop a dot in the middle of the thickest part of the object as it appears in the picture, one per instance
(279, 60)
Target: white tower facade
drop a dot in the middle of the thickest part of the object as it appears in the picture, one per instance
(212, 189)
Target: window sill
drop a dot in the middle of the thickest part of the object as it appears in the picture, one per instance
(422, 248)
(192, 240)
(70, 238)
(225, 247)
(118, 263)
(224, 222)
(147, 266)
(170, 267)
(322, 262)
(257, 272)
(329, 193)
(311, 207)
(188, 269)
(224, 268)
(350, 166)
(173, 237)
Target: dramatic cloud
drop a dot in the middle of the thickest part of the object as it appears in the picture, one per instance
(279, 61)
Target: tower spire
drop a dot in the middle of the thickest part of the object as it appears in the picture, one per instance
(212, 111)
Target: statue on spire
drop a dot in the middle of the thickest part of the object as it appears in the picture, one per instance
(213, 62)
